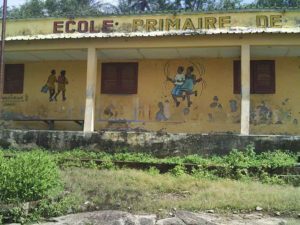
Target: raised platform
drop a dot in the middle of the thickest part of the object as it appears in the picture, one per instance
(157, 143)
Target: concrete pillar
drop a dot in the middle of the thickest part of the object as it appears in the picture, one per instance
(89, 117)
(245, 89)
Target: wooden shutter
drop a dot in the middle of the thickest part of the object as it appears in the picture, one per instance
(237, 77)
(13, 79)
(109, 78)
(128, 78)
(263, 77)
(119, 78)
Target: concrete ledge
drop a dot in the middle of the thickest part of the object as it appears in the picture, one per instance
(157, 143)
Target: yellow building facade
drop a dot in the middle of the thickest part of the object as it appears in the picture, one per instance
(236, 72)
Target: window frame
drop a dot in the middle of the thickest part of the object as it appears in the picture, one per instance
(254, 86)
(119, 88)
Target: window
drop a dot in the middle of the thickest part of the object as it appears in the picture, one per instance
(262, 77)
(119, 78)
(13, 79)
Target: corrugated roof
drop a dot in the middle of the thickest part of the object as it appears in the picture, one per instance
(237, 30)
(241, 9)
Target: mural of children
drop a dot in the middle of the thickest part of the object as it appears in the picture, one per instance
(188, 85)
(62, 81)
(160, 115)
(51, 84)
(178, 82)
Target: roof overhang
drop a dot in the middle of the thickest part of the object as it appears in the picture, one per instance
(229, 31)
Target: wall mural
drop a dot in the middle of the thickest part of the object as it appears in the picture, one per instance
(216, 110)
(267, 113)
(61, 81)
(110, 111)
(262, 113)
(185, 82)
(188, 82)
(160, 115)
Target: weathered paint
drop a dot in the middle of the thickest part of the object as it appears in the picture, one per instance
(154, 22)
(157, 109)
(245, 89)
(157, 143)
(217, 109)
(37, 104)
(89, 117)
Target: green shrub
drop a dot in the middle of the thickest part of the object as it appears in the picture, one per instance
(107, 164)
(28, 176)
(153, 171)
(133, 157)
(267, 179)
(178, 170)
(45, 208)
(242, 164)
(52, 208)
(241, 159)
(202, 173)
(276, 159)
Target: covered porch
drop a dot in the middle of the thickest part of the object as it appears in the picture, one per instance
(217, 107)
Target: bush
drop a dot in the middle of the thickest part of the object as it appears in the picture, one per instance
(178, 170)
(27, 177)
(153, 171)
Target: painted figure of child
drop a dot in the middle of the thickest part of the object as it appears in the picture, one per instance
(62, 81)
(51, 84)
(188, 85)
(178, 81)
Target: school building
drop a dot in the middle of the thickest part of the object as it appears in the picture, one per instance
(221, 72)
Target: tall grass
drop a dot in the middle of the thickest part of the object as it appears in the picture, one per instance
(144, 192)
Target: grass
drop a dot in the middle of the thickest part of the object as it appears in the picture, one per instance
(141, 191)
(238, 164)
(293, 222)
(231, 186)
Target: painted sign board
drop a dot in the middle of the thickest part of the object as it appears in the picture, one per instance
(155, 22)
(148, 25)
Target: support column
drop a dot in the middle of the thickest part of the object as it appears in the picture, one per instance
(245, 89)
(89, 117)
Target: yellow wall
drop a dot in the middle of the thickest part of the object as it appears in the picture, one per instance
(35, 104)
(28, 27)
(217, 109)
(154, 89)
(278, 113)
(284, 105)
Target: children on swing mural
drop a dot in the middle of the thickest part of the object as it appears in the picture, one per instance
(184, 82)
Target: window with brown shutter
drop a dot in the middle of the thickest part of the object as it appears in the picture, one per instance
(237, 77)
(13, 79)
(119, 78)
(262, 77)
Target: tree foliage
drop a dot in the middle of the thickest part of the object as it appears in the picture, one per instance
(40, 8)
(278, 3)
(71, 8)
(161, 5)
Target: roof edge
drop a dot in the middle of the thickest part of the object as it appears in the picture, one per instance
(168, 12)
(232, 31)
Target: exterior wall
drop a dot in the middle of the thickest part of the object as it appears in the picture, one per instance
(154, 109)
(33, 104)
(275, 18)
(279, 113)
(216, 109)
